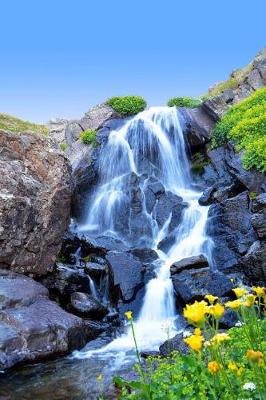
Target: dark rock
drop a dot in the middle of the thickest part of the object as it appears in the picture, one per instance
(145, 255)
(126, 273)
(195, 284)
(254, 263)
(258, 222)
(197, 126)
(206, 197)
(228, 320)
(102, 244)
(175, 344)
(87, 306)
(33, 327)
(36, 190)
(229, 226)
(193, 262)
(95, 270)
(166, 244)
(147, 354)
(259, 204)
(169, 203)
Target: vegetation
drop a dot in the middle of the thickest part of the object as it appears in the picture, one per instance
(63, 146)
(89, 137)
(127, 105)
(238, 76)
(189, 102)
(219, 365)
(245, 125)
(198, 163)
(13, 124)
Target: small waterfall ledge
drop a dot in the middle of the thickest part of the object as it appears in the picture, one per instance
(148, 149)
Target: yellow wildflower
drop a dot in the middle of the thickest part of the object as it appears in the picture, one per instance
(195, 342)
(254, 356)
(197, 332)
(220, 337)
(217, 310)
(235, 305)
(260, 291)
(250, 300)
(239, 292)
(213, 367)
(234, 368)
(99, 377)
(211, 299)
(129, 316)
(195, 313)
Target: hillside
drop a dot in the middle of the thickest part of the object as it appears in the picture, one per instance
(14, 124)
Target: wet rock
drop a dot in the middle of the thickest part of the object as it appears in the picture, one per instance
(197, 126)
(147, 354)
(175, 344)
(193, 262)
(145, 255)
(195, 284)
(258, 222)
(167, 243)
(206, 197)
(36, 190)
(230, 228)
(86, 306)
(169, 203)
(126, 272)
(102, 244)
(253, 264)
(259, 204)
(228, 320)
(95, 270)
(32, 327)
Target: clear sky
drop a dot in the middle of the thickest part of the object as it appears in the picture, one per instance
(59, 57)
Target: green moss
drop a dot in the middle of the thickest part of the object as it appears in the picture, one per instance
(252, 195)
(189, 102)
(61, 258)
(127, 105)
(231, 83)
(87, 258)
(13, 124)
(198, 163)
(63, 146)
(245, 125)
(89, 137)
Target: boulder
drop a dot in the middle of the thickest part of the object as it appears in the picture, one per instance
(253, 263)
(57, 129)
(230, 228)
(196, 283)
(36, 188)
(168, 204)
(87, 306)
(197, 126)
(32, 327)
(175, 344)
(193, 262)
(126, 273)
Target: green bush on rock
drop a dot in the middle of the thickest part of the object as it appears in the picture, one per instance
(189, 102)
(89, 137)
(245, 125)
(127, 105)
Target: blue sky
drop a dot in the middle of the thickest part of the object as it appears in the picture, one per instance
(58, 58)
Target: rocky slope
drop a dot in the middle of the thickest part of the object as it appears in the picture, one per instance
(36, 189)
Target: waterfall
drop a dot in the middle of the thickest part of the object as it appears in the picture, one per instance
(149, 145)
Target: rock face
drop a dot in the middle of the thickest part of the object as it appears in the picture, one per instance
(35, 191)
(32, 327)
(189, 263)
(175, 344)
(87, 306)
(254, 79)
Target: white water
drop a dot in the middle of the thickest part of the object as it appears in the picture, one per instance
(151, 143)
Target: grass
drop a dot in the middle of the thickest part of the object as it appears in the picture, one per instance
(89, 137)
(14, 124)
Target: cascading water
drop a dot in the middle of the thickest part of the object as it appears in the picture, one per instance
(149, 145)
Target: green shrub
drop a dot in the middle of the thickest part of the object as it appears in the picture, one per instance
(89, 137)
(189, 102)
(245, 125)
(127, 105)
(198, 163)
(14, 124)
